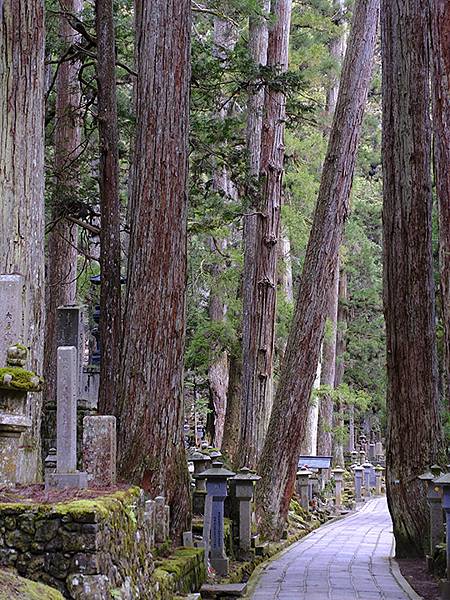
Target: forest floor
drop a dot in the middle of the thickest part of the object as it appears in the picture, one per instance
(415, 571)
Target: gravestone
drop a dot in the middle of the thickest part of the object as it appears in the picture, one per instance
(150, 518)
(338, 474)
(67, 380)
(434, 499)
(213, 523)
(70, 332)
(11, 313)
(303, 493)
(358, 471)
(162, 520)
(99, 450)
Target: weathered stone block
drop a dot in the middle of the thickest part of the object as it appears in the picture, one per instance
(99, 450)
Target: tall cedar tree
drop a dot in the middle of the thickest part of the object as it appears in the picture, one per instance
(62, 238)
(110, 294)
(151, 444)
(278, 463)
(257, 45)
(22, 176)
(414, 437)
(324, 438)
(261, 244)
(440, 39)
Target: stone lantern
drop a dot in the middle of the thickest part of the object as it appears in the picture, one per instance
(303, 476)
(338, 475)
(367, 466)
(201, 463)
(444, 482)
(354, 455)
(362, 457)
(358, 472)
(244, 486)
(15, 384)
(434, 499)
(378, 479)
(213, 523)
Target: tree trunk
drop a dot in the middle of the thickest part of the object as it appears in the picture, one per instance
(340, 348)
(414, 438)
(62, 239)
(278, 463)
(325, 436)
(230, 439)
(22, 179)
(110, 247)
(310, 440)
(338, 47)
(260, 290)
(151, 441)
(224, 41)
(440, 39)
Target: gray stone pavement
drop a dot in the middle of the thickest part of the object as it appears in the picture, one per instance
(345, 560)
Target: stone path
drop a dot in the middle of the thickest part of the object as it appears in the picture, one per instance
(346, 560)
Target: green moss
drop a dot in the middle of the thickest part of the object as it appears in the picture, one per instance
(13, 587)
(21, 379)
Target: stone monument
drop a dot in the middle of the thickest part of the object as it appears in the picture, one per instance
(99, 450)
(66, 475)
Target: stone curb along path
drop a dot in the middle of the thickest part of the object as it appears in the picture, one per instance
(349, 559)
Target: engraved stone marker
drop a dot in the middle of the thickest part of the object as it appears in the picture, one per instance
(99, 450)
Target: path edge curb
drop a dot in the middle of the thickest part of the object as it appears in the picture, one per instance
(402, 582)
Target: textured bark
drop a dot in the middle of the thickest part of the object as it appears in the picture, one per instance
(310, 439)
(338, 47)
(110, 247)
(230, 439)
(62, 238)
(225, 36)
(341, 346)
(150, 441)
(22, 178)
(414, 438)
(278, 463)
(261, 245)
(325, 435)
(440, 38)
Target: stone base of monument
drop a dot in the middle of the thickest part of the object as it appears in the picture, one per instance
(60, 481)
(220, 565)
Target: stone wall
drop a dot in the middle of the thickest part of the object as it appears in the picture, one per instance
(87, 549)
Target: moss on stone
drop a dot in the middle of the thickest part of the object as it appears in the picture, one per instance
(13, 587)
(21, 379)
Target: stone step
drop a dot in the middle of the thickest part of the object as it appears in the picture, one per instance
(223, 590)
(255, 540)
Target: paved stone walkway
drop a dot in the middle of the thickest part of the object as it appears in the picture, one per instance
(346, 560)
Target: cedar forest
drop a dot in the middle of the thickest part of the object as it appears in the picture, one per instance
(264, 189)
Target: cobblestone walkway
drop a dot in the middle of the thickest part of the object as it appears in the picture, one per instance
(346, 560)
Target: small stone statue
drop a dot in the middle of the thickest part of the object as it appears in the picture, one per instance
(16, 356)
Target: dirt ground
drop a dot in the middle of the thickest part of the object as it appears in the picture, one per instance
(414, 570)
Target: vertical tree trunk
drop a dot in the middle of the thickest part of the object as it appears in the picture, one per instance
(341, 346)
(440, 39)
(230, 439)
(62, 238)
(414, 437)
(224, 41)
(22, 177)
(259, 314)
(278, 463)
(151, 444)
(325, 438)
(110, 248)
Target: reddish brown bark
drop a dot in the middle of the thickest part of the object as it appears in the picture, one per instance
(278, 463)
(22, 179)
(151, 444)
(110, 293)
(62, 238)
(261, 246)
(414, 438)
(230, 439)
(440, 40)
